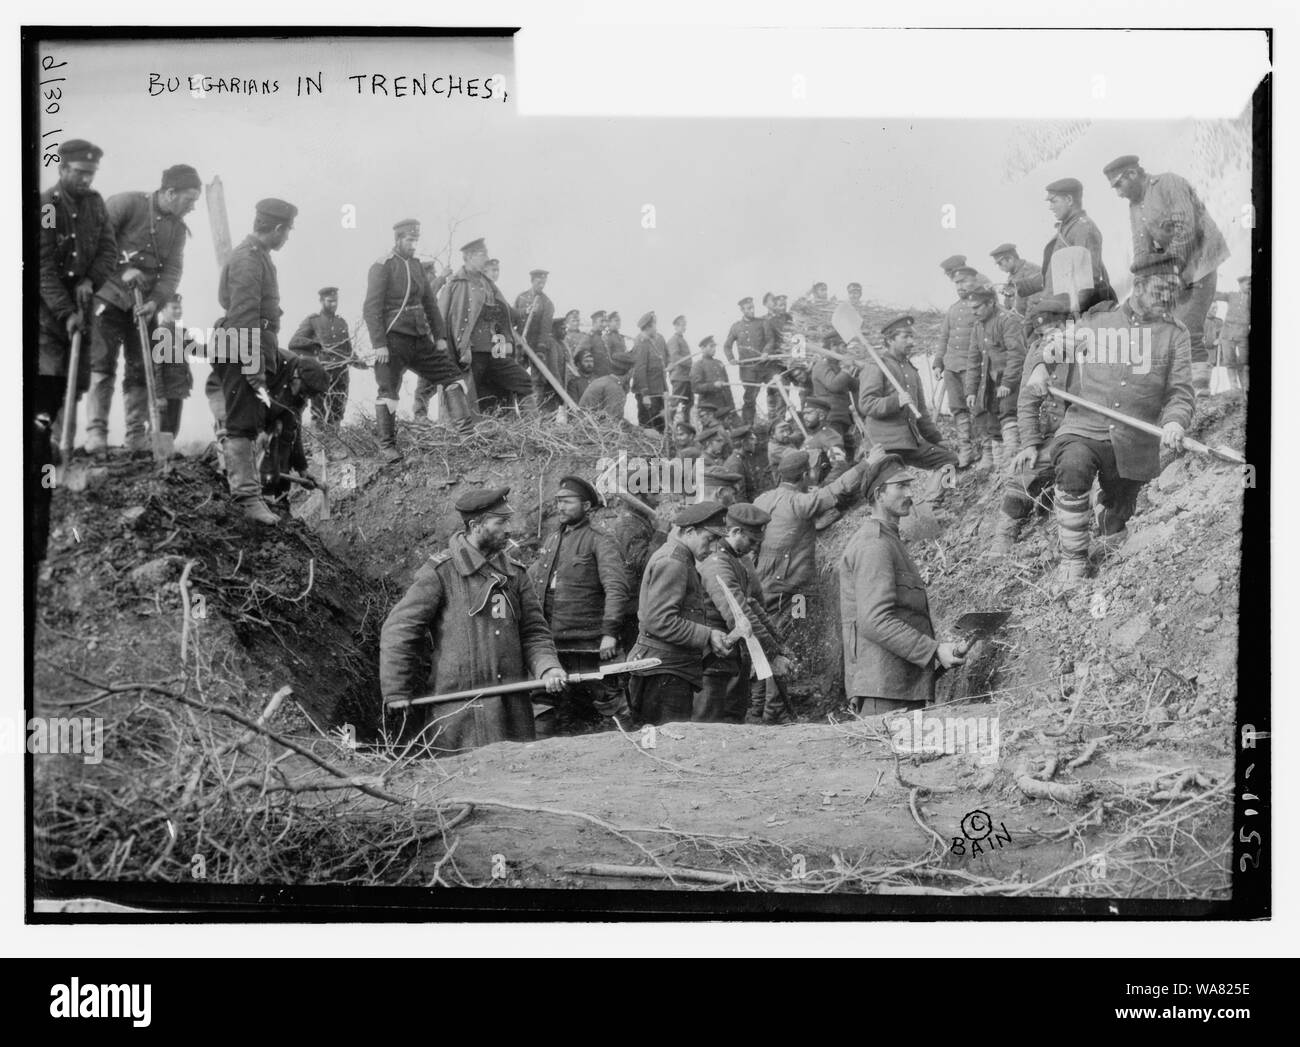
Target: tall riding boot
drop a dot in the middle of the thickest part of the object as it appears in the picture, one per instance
(245, 485)
(136, 401)
(757, 701)
(98, 403)
(965, 449)
(1201, 378)
(1005, 532)
(386, 431)
(1010, 441)
(1073, 514)
(458, 413)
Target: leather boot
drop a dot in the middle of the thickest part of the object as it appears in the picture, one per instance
(221, 451)
(986, 456)
(99, 400)
(1072, 517)
(1201, 378)
(386, 431)
(757, 702)
(136, 402)
(965, 449)
(1010, 441)
(1005, 533)
(458, 412)
(245, 486)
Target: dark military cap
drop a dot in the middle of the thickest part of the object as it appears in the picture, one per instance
(407, 225)
(702, 514)
(983, 292)
(793, 465)
(1155, 263)
(831, 339)
(474, 245)
(599, 314)
(646, 320)
(722, 478)
(948, 265)
(743, 514)
(277, 209)
(708, 339)
(679, 319)
(491, 500)
(961, 270)
(181, 177)
(1048, 309)
(740, 432)
(1066, 186)
(899, 321)
(712, 432)
(1002, 249)
(577, 487)
(613, 314)
(819, 283)
(817, 402)
(312, 375)
(747, 300)
(573, 314)
(79, 151)
(539, 272)
(888, 469)
(327, 291)
(1120, 163)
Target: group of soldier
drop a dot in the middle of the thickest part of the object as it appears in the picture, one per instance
(728, 586)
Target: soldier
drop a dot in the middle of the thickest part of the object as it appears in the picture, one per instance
(616, 343)
(649, 373)
(890, 422)
(1075, 229)
(584, 373)
(891, 655)
(855, 296)
(173, 379)
(537, 334)
(492, 269)
(825, 446)
(295, 382)
(607, 395)
(741, 461)
(573, 337)
(487, 628)
(595, 342)
(837, 385)
(679, 370)
(407, 333)
(1157, 388)
(674, 622)
(1167, 216)
(954, 357)
(581, 582)
(1234, 335)
(684, 440)
(325, 336)
(481, 331)
(725, 695)
(77, 256)
(782, 438)
(755, 339)
(716, 447)
(1023, 277)
(1032, 474)
(249, 291)
(149, 231)
(710, 381)
(992, 385)
(819, 292)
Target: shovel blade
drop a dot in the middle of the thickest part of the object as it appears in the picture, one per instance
(982, 623)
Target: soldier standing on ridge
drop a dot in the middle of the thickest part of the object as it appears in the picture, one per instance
(325, 336)
(538, 336)
(1024, 278)
(754, 336)
(993, 382)
(954, 357)
(679, 370)
(1075, 229)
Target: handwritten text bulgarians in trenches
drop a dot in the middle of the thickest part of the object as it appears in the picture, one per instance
(491, 88)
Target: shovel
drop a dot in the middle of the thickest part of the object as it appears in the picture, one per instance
(72, 477)
(978, 625)
(163, 443)
(1071, 269)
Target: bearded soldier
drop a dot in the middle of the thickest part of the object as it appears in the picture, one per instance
(486, 626)
(1156, 388)
(150, 233)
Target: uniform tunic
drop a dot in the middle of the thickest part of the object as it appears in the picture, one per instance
(672, 615)
(711, 385)
(787, 559)
(889, 644)
(486, 627)
(889, 424)
(79, 245)
(1078, 230)
(249, 291)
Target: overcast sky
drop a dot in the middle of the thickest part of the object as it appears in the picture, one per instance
(740, 206)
